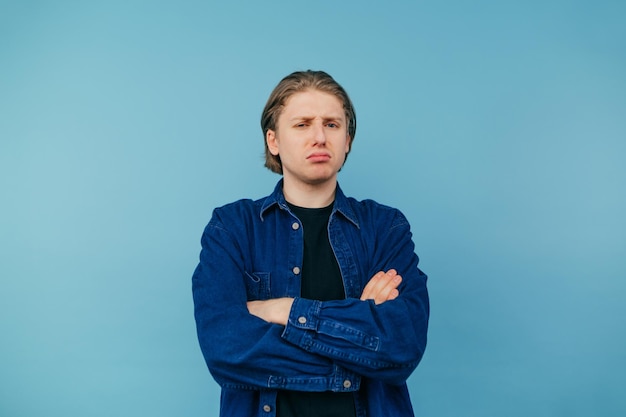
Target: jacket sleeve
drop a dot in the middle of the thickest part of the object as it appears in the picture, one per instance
(241, 350)
(384, 342)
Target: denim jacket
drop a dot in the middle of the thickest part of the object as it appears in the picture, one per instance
(252, 250)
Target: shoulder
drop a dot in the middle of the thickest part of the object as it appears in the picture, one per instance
(371, 212)
(243, 205)
(236, 214)
(247, 208)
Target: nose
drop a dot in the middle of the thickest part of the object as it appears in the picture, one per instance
(319, 134)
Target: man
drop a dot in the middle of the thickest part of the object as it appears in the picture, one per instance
(307, 302)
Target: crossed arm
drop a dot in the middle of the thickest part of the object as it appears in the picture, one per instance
(383, 286)
(373, 339)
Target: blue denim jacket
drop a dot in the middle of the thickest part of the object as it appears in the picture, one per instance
(252, 250)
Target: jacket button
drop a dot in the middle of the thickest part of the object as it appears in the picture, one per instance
(302, 320)
(295, 270)
(295, 226)
(267, 408)
(347, 384)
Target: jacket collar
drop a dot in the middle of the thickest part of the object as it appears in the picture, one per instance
(277, 199)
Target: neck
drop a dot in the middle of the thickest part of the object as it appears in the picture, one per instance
(309, 195)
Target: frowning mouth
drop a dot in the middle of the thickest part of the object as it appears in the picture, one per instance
(318, 157)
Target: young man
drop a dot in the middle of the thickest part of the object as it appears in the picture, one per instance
(307, 302)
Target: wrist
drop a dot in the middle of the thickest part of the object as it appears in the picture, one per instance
(283, 310)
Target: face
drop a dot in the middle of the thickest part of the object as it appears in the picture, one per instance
(311, 138)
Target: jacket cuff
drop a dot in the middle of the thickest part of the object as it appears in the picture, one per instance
(303, 322)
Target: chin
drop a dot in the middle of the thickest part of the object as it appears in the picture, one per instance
(320, 179)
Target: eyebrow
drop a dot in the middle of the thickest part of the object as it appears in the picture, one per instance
(325, 118)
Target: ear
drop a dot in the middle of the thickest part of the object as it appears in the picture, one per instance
(272, 142)
(348, 143)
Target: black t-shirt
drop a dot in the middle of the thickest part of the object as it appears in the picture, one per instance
(321, 280)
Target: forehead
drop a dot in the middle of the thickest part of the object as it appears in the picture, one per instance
(313, 103)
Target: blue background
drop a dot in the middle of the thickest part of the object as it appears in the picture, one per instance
(497, 127)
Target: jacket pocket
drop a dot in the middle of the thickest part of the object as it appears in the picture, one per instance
(258, 285)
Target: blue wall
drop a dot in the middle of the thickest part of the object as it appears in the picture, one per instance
(499, 128)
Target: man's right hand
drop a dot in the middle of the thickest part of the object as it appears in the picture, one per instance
(382, 287)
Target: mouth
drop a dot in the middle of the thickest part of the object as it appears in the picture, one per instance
(318, 157)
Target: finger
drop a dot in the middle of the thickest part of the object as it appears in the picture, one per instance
(389, 291)
(380, 285)
(382, 282)
(368, 291)
(393, 294)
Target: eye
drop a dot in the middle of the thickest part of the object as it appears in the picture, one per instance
(332, 125)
